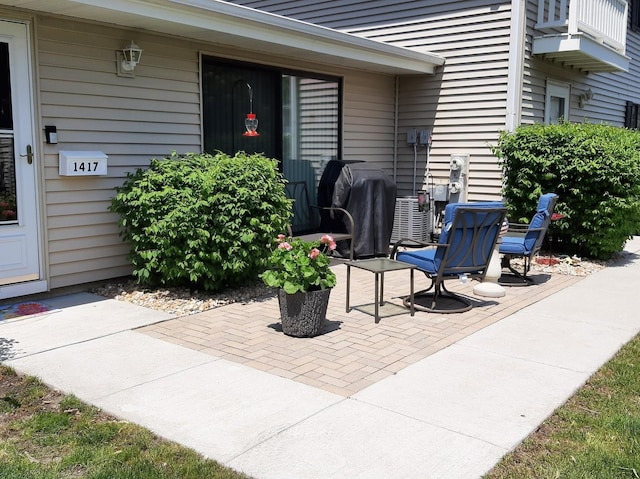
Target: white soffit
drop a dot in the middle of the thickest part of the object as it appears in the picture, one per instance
(223, 23)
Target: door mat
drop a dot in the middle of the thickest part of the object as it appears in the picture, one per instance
(22, 310)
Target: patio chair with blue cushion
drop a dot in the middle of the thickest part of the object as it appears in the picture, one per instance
(464, 248)
(525, 241)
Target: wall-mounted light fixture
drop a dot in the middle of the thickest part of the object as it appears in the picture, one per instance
(251, 122)
(132, 55)
(128, 58)
(584, 98)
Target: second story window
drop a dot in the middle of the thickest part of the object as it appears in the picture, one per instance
(634, 6)
(556, 105)
(631, 116)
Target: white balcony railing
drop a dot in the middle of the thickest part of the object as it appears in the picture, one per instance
(604, 20)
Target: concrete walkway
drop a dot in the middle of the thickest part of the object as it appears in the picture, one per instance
(451, 414)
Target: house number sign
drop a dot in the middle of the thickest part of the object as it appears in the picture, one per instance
(82, 163)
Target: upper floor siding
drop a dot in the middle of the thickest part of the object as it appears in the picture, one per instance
(464, 104)
(610, 91)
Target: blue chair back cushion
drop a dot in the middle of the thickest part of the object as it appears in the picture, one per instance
(541, 219)
(460, 257)
(450, 209)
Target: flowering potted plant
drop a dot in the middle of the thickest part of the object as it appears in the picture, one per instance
(300, 270)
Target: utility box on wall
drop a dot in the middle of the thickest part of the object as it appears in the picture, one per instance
(458, 173)
(82, 163)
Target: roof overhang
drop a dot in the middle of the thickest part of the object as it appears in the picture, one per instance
(223, 23)
(580, 51)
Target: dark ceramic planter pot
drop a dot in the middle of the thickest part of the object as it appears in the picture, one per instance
(303, 314)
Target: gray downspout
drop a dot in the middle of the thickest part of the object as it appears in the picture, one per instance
(395, 132)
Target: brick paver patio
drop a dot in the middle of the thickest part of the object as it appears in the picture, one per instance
(353, 351)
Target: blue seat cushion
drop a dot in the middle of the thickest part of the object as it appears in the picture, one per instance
(427, 261)
(513, 245)
(424, 259)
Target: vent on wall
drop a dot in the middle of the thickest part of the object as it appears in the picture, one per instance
(409, 222)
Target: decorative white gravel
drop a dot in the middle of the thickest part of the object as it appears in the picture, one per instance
(182, 301)
(179, 300)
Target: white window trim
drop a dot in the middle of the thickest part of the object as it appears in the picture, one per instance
(558, 90)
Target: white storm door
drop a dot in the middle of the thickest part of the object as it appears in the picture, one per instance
(19, 243)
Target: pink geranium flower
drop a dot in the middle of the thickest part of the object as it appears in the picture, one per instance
(284, 245)
(313, 254)
(328, 240)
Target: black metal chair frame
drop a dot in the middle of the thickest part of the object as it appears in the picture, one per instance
(298, 189)
(520, 229)
(521, 276)
(477, 270)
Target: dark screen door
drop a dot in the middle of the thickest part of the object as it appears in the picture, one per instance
(228, 89)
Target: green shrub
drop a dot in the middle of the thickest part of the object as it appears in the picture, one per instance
(595, 170)
(202, 220)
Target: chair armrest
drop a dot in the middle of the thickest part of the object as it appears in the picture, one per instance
(522, 230)
(410, 243)
(517, 229)
(343, 211)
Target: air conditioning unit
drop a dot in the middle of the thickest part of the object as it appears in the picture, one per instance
(409, 222)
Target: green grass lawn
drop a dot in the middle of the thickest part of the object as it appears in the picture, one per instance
(595, 435)
(46, 435)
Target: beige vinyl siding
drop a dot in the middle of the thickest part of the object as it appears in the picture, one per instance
(130, 119)
(369, 106)
(347, 14)
(135, 119)
(464, 104)
(611, 91)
